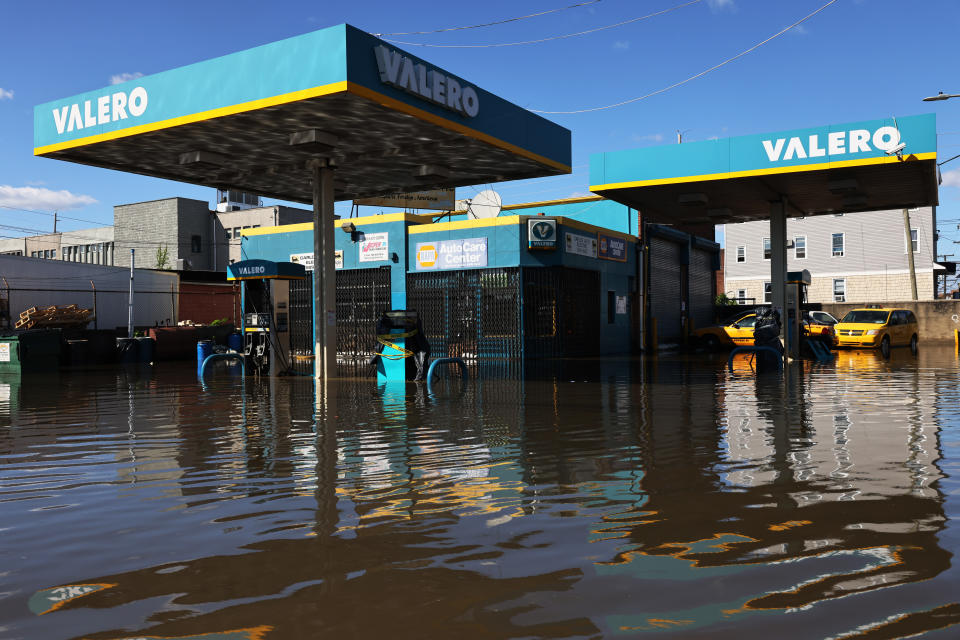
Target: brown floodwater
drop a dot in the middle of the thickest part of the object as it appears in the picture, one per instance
(660, 497)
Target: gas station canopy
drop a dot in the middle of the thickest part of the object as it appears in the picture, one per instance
(844, 168)
(254, 120)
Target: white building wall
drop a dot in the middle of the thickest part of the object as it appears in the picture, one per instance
(34, 282)
(873, 265)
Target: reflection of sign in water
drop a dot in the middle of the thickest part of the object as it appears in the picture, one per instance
(4, 352)
(541, 233)
(374, 247)
(49, 600)
(612, 248)
(582, 245)
(469, 253)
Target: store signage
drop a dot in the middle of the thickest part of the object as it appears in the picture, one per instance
(306, 259)
(432, 85)
(105, 109)
(374, 247)
(612, 248)
(4, 352)
(835, 143)
(542, 233)
(581, 245)
(470, 253)
(439, 200)
(621, 305)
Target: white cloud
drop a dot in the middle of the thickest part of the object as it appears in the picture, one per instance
(650, 137)
(125, 77)
(6, 94)
(622, 45)
(719, 5)
(43, 199)
(951, 178)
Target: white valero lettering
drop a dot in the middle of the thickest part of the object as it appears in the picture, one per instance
(838, 143)
(103, 110)
(400, 71)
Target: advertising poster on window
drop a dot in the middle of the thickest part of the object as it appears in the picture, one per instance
(581, 245)
(613, 248)
(374, 247)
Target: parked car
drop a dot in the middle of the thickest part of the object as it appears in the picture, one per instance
(740, 331)
(883, 328)
(737, 333)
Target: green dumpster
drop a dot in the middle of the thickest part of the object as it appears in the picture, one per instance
(30, 351)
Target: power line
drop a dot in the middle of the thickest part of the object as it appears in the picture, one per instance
(487, 24)
(569, 35)
(47, 213)
(699, 75)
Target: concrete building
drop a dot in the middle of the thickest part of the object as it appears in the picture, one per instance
(853, 257)
(180, 234)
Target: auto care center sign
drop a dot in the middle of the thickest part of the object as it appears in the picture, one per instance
(468, 253)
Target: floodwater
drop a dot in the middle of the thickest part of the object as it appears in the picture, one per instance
(662, 498)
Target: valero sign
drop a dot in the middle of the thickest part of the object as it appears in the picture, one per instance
(435, 86)
(542, 233)
(834, 143)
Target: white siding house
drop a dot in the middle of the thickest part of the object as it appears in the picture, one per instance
(853, 257)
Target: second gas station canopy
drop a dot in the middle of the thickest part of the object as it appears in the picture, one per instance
(254, 120)
(841, 168)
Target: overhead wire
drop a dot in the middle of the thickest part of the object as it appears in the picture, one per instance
(698, 75)
(568, 35)
(487, 24)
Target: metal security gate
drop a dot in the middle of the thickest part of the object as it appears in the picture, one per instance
(362, 296)
(702, 281)
(472, 314)
(561, 312)
(664, 290)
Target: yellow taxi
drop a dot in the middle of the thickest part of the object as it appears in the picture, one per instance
(882, 328)
(737, 333)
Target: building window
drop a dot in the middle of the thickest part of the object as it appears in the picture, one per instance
(256, 226)
(741, 296)
(837, 245)
(800, 247)
(914, 240)
(196, 244)
(839, 290)
(33, 254)
(53, 254)
(766, 249)
(767, 293)
(236, 232)
(741, 254)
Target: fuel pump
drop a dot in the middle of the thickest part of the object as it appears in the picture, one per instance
(797, 283)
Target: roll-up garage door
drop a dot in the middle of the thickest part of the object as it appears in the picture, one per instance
(665, 288)
(701, 288)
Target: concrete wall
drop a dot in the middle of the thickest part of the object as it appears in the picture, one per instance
(938, 319)
(169, 223)
(232, 222)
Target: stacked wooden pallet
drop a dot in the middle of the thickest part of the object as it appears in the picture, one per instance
(65, 317)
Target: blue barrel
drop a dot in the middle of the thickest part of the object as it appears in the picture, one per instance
(235, 342)
(204, 349)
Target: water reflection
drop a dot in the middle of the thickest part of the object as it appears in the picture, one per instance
(590, 499)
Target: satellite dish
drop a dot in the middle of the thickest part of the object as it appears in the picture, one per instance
(486, 204)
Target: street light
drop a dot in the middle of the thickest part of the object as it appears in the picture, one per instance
(941, 96)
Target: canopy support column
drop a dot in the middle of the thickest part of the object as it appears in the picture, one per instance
(324, 274)
(778, 267)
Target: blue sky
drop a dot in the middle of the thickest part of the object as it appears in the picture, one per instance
(856, 60)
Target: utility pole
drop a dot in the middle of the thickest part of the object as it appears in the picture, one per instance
(130, 300)
(54, 221)
(913, 271)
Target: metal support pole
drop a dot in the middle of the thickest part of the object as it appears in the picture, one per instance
(913, 272)
(778, 265)
(324, 274)
(130, 300)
